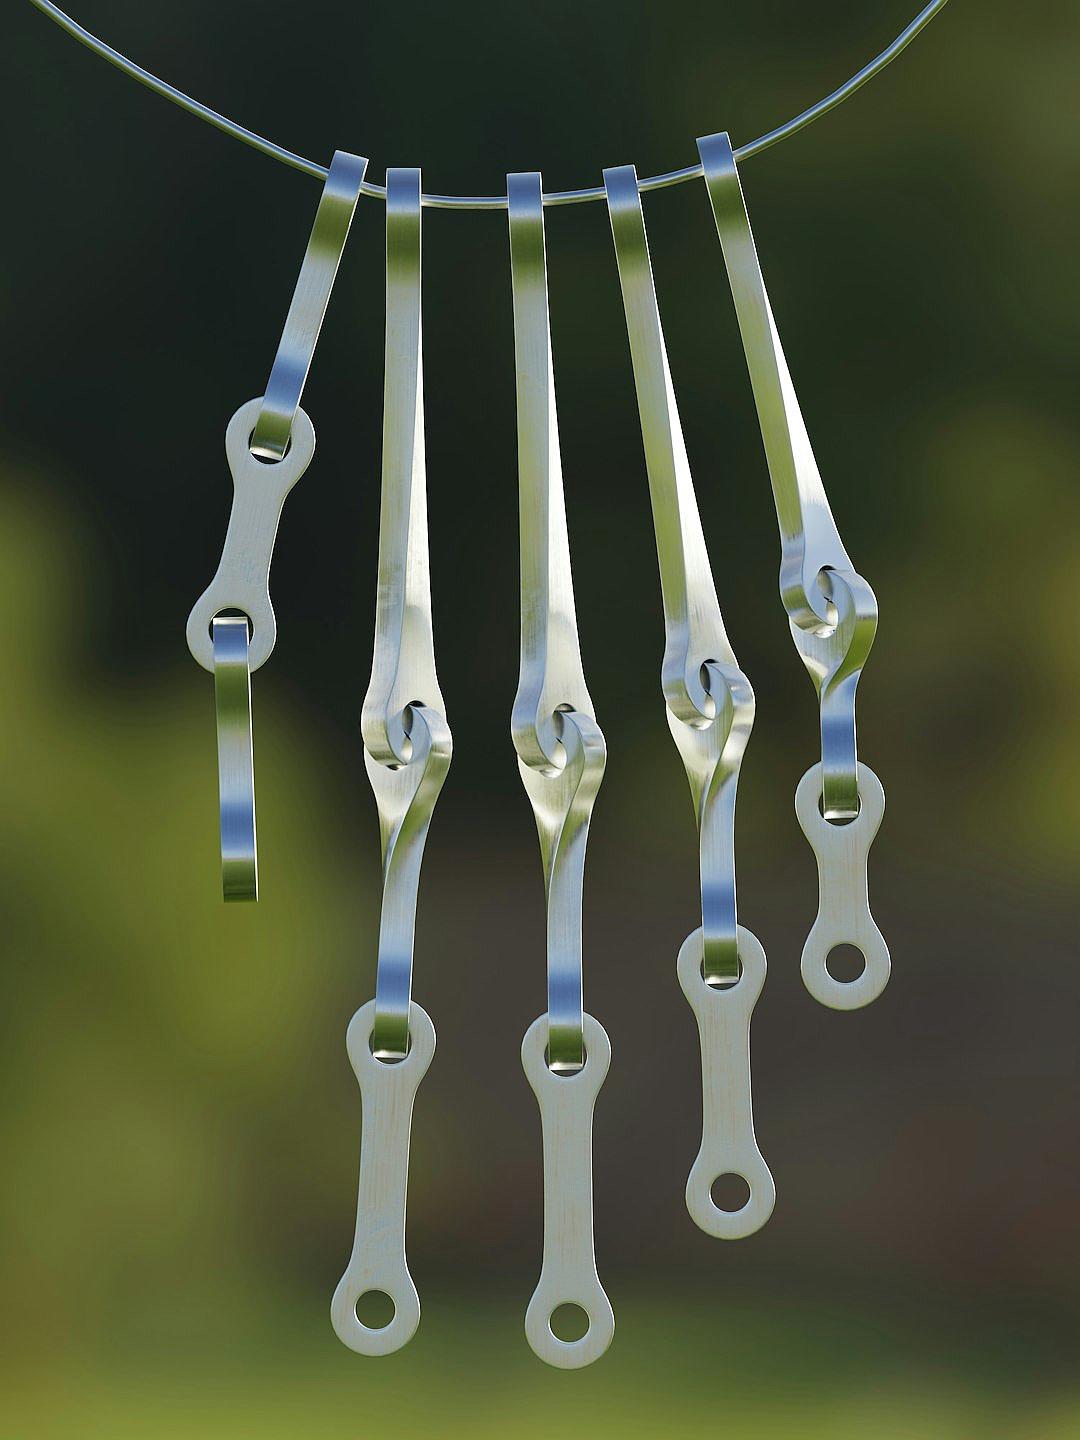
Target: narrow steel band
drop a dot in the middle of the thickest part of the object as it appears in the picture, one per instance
(561, 750)
(710, 703)
(407, 741)
(236, 775)
(832, 610)
(270, 437)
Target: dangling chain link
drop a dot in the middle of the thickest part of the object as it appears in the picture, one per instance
(561, 757)
(831, 608)
(710, 710)
(269, 443)
(407, 750)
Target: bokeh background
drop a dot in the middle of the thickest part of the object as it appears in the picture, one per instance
(179, 1123)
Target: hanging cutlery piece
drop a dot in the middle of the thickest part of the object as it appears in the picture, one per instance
(407, 749)
(710, 710)
(561, 758)
(832, 611)
(269, 444)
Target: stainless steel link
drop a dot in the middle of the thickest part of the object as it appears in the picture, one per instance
(270, 437)
(709, 700)
(560, 748)
(407, 741)
(236, 775)
(832, 610)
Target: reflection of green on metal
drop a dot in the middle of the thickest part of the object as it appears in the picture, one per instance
(236, 774)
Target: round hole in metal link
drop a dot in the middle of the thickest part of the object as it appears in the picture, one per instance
(569, 1322)
(845, 963)
(838, 820)
(389, 1059)
(230, 613)
(730, 1192)
(375, 1309)
(267, 459)
(566, 1072)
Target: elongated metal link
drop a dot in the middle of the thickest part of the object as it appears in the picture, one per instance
(710, 702)
(236, 775)
(560, 748)
(344, 180)
(710, 710)
(832, 610)
(568, 1274)
(406, 739)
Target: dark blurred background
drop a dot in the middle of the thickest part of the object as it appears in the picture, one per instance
(179, 1121)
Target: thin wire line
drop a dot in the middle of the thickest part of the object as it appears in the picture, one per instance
(485, 202)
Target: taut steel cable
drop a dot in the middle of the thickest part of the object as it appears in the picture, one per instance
(487, 202)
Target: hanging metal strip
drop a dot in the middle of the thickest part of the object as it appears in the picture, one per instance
(832, 610)
(710, 708)
(270, 437)
(561, 750)
(236, 777)
(406, 739)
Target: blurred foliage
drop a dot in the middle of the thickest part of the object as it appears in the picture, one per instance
(178, 1119)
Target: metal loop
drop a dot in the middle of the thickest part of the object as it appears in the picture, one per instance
(236, 775)
(832, 610)
(561, 750)
(270, 437)
(710, 703)
(407, 742)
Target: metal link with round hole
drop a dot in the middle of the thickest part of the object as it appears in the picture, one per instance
(831, 609)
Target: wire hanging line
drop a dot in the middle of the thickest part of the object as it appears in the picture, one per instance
(486, 202)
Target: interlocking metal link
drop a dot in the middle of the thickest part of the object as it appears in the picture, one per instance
(270, 437)
(236, 776)
(710, 702)
(560, 748)
(832, 610)
(406, 739)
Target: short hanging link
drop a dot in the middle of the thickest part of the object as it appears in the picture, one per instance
(407, 750)
(710, 711)
(269, 443)
(832, 610)
(561, 757)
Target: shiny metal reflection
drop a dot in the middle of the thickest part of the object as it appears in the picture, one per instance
(236, 774)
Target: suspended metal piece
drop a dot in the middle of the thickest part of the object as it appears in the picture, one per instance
(561, 757)
(236, 776)
(710, 708)
(832, 610)
(407, 749)
(269, 443)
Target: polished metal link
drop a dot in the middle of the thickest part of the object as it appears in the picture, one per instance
(561, 750)
(270, 436)
(832, 610)
(407, 742)
(236, 775)
(709, 700)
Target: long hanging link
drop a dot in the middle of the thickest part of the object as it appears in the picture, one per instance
(407, 750)
(832, 612)
(710, 710)
(561, 757)
(269, 443)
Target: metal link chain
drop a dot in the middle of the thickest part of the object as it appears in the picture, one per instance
(710, 709)
(832, 610)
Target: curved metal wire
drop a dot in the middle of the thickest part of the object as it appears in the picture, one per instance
(485, 202)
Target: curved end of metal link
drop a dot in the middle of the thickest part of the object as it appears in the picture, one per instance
(378, 1259)
(844, 916)
(568, 1275)
(728, 1143)
(236, 773)
(242, 581)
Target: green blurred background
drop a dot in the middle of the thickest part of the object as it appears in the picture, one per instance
(179, 1122)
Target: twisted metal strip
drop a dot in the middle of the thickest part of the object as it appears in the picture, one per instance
(485, 202)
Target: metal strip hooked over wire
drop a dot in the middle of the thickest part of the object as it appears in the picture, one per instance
(832, 610)
(710, 711)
